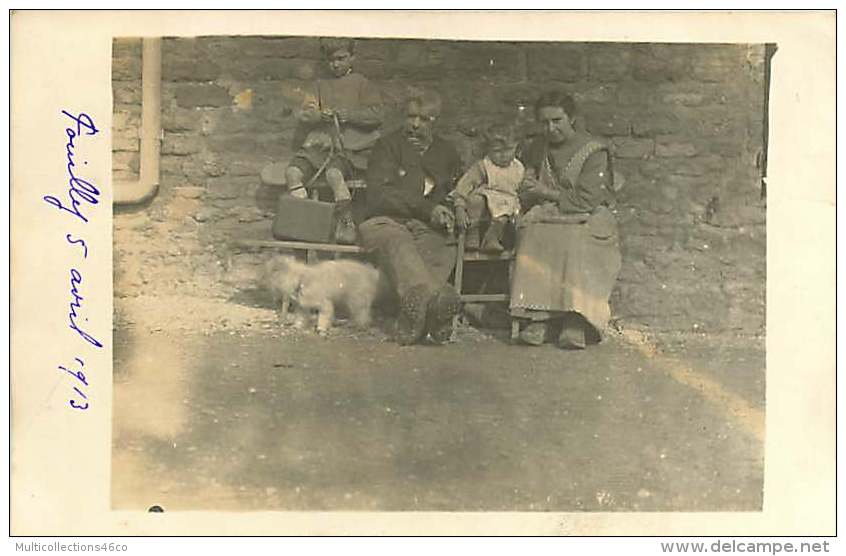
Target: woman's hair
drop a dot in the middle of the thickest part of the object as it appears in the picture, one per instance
(556, 98)
(329, 46)
(501, 134)
(430, 100)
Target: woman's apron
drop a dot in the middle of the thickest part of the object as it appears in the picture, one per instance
(566, 262)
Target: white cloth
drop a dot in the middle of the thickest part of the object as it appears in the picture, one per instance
(428, 186)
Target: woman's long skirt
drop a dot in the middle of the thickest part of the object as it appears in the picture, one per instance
(564, 267)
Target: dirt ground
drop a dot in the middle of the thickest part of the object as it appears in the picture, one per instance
(217, 406)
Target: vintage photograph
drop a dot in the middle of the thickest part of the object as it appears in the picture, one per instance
(369, 274)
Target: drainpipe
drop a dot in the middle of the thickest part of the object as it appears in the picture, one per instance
(769, 52)
(128, 193)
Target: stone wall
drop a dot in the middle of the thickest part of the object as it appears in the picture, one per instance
(686, 121)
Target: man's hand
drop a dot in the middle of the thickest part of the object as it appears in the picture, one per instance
(462, 219)
(343, 115)
(442, 218)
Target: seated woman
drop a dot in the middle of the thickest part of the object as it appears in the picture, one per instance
(568, 254)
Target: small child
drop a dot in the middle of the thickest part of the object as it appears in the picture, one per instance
(491, 184)
(339, 120)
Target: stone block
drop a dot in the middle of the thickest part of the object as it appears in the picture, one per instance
(121, 142)
(228, 188)
(229, 51)
(684, 98)
(723, 145)
(246, 165)
(559, 62)
(124, 176)
(125, 120)
(181, 144)
(171, 165)
(274, 174)
(375, 49)
(125, 161)
(290, 91)
(606, 122)
(199, 95)
(176, 119)
(488, 61)
(652, 124)
(206, 214)
(609, 63)
(635, 95)
(597, 94)
(126, 92)
(133, 110)
(213, 168)
(288, 47)
(371, 68)
(627, 147)
(418, 60)
(718, 63)
(244, 143)
(192, 168)
(126, 47)
(179, 69)
(126, 68)
(671, 147)
(262, 119)
(262, 69)
(736, 216)
(656, 63)
(700, 165)
(246, 214)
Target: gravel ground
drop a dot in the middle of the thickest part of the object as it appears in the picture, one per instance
(218, 406)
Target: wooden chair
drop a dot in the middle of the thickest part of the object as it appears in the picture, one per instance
(463, 257)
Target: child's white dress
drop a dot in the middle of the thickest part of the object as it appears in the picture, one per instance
(498, 185)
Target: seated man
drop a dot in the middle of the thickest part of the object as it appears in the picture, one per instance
(409, 175)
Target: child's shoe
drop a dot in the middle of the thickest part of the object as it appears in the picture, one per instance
(491, 243)
(472, 238)
(345, 228)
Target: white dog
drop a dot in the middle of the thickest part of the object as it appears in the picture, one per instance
(323, 287)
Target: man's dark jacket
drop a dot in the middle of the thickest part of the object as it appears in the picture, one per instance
(396, 172)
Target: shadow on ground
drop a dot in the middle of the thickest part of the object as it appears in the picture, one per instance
(269, 418)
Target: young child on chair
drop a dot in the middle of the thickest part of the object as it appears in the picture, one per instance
(338, 122)
(490, 186)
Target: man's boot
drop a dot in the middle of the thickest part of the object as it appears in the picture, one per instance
(443, 308)
(411, 323)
